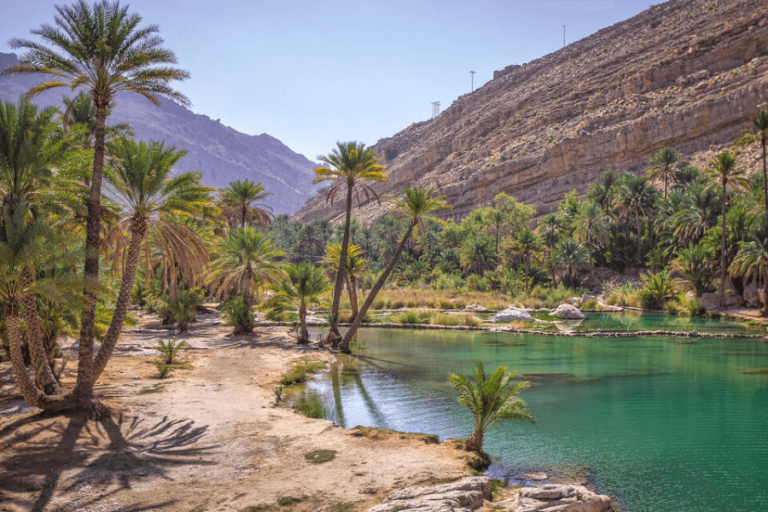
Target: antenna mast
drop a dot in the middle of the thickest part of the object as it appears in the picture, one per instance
(435, 109)
(472, 74)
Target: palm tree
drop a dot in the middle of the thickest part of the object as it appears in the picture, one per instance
(723, 169)
(24, 246)
(29, 153)
(475, 256)
(693, 263)
(490, 400)
(100, 49)
(495, 218)
(662, 166)
(355, 268)
(526, 245)
(303, 287)
(570, 256)
(417, 207)
(759, 135)
(603, 190)
(246, 260)
(657, 289)
(350, 167)
(80, 113)
(591, 226)
(241, 200)
(139, 180)
(635, 197)
(752, 260)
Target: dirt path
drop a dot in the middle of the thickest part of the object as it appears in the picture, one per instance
(207, 439)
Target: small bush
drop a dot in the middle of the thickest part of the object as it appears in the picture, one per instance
(301, 370)
(238, 314)
(310, 406)
(446, 304)
(163, 369)
(170, 349)
(626, 295)
(410, 317)
(690, 306)
(321, 456)
(183, 310)
(657, 289)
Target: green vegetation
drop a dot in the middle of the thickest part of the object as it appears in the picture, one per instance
(321, 456)
(170, 349)
(301, 370)
(489, 400)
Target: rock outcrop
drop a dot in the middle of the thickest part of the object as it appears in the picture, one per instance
(567, 312)
(555, 498)
(685, 74)
(462, 496)
(512, 314)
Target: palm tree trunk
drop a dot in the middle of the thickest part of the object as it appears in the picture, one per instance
(340, 272)
(121, 304)
(242, 216)
(722, 250)
(375, 291)
(83, 392)
(765, 172)
(37, 353)
(173, 280)
(474, 443)
(147, 266)
(352, 293)
(639, 240)
(30, 393)
(303, 331)
(765, 292)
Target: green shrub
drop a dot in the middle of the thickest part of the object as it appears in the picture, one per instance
(690, 306)
(310, 406)
(170, 348)
(238, 314)
(626, 295)
(183, 310)
(321, 456)
(301, 369)
(657, 288)
(410, 317)
(163, 369)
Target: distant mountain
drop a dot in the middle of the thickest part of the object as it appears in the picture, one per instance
(220, 152)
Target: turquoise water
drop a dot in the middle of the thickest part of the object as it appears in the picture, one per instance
(663, 424)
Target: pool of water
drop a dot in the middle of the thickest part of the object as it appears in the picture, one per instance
(662, 424)
(638, 321)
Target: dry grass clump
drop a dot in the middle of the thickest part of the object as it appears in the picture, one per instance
(627, 295)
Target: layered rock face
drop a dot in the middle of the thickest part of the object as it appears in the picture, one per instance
(686, 74)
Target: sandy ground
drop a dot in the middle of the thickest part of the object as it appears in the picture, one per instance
(209, 438)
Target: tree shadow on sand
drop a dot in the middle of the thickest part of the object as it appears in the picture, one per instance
(41, 455)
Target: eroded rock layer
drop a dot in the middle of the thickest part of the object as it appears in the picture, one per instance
(686, 74)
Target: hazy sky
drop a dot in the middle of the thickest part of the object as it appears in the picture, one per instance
(311, 72)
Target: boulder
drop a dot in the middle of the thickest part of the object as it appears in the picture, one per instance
(752, 296)
(712, 301)
(463, 496)
(561, 498)
(512, 314)
(568, 312)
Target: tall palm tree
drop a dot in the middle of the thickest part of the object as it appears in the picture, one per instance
(247, 259)
(723, 168)
(602, 191)
(489, 400)
(29, 153)
(139, 179)
(80, 112)
(417, 207)
(662, 166)
(303, 287)
(590, 227)
(635, 198)
(495, 218)
(476, 255)
(759, 135)
(98, 48)
(242, 201)
(350, 167)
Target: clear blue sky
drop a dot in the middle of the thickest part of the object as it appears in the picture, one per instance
(311, 72)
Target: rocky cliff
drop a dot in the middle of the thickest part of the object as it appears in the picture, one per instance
(685, 74)
(220, 152)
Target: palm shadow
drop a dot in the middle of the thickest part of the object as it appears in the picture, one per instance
(43, 454)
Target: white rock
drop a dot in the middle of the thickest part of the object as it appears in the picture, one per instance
(562, 498)
(511, 314)
(462, 496)
(568, 312)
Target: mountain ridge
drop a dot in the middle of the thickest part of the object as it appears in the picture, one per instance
(685, 74)
(220, 152)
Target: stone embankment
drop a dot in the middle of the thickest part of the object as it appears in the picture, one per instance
(473, 493)
(570, 334)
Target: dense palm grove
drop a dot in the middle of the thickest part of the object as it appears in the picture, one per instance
(94, 221)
